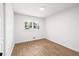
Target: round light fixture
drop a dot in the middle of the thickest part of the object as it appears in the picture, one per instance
(42, 9)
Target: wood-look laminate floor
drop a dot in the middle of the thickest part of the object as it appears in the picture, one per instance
(42, 47)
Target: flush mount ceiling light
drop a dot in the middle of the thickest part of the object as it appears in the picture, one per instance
(42, 9)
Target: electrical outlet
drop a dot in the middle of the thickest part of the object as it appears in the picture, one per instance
(33, 37)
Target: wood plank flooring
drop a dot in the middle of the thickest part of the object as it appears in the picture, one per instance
(42, 47)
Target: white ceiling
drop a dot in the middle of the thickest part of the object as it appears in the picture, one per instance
(33, 9)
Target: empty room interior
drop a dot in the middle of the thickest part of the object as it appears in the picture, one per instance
(41, 29)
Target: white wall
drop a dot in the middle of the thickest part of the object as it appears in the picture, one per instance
(1, 28)
(22, 35)
(9, 30)
(63, 28)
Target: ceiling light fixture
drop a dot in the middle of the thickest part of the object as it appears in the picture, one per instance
(42, 9)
